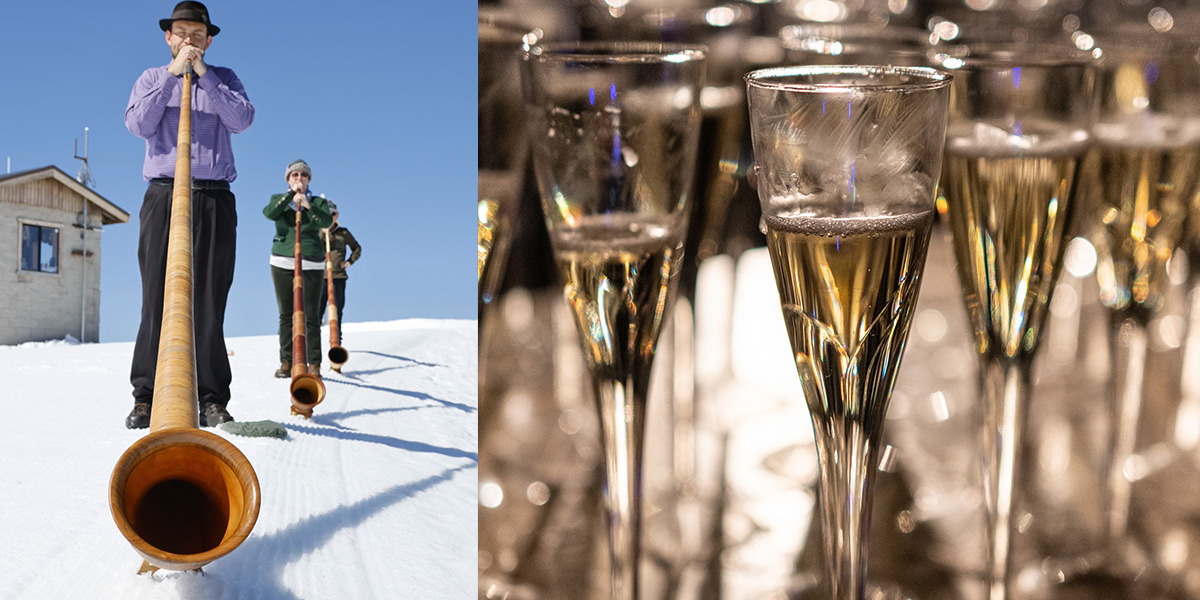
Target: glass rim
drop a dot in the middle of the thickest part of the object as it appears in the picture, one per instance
(615, 52)
(1001, 54)
(854, 38)
(1146, 42)
(1140, 32)
(503, 25)
(924, 78)
(718, 16)
(858, 31)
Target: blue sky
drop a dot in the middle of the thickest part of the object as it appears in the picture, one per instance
(379, 97)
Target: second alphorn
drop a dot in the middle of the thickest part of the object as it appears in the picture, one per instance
(307, 389)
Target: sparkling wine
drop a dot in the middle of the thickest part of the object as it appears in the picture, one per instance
(1146, 170)
(617, 271)
(1010, 204)
(848, 287)
(723, 116)
(498, 191)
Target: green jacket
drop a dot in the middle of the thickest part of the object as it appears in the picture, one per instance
(311, 223)
(340, 239)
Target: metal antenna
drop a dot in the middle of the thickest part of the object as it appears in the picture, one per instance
(84, 175)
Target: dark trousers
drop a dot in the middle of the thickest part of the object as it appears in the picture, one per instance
(339, 300)
(214, 240)
(314, 284)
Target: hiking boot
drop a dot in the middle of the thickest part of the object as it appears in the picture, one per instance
(285, 370)
(213, 414)
(315, 369)
(139, 417)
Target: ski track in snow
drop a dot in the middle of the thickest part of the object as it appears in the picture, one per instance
(374, 497)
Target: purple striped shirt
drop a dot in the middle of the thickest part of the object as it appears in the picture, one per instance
(219, 108)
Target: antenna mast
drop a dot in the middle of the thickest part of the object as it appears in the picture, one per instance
(84, 176)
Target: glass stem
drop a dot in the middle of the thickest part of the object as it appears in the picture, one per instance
(1128, 339)
(1006, 386)
(622, 406)
(1187, 423)
(848, 458)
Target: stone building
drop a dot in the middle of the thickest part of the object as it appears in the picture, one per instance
(49, 259)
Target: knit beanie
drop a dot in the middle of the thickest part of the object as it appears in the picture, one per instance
(297, 165)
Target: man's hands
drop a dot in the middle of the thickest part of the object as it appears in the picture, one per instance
(188, 53)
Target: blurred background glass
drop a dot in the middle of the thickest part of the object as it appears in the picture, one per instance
(730, 476)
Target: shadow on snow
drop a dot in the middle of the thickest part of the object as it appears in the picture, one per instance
(399, 358)
(333, 419)
(277, 550)
(410, 446)
(418, 395)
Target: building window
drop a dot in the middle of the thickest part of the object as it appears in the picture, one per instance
(39, 248)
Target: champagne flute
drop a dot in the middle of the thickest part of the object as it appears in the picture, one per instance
(503, 159)
(1018, 133)
(614, 130)
(723, 29)
(1147, 150)
(503, 148)
(848, 159)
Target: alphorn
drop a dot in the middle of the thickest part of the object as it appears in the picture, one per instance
(307, 389)
(181, 496)
(337, 354)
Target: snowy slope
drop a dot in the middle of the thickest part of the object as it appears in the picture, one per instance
(372, 498)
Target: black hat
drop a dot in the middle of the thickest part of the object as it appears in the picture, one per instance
(189, 11)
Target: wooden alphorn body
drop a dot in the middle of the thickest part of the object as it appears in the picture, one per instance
(337, 354)
(181, 496)
(307, 389)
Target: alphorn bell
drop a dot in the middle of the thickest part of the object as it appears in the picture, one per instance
(307, 389)
(337, 354)
(183, 497)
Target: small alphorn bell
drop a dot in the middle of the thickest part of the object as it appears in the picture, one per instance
(337, 354)
(181, 496)
(307, 389)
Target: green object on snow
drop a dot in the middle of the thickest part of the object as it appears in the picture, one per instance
(255, 428)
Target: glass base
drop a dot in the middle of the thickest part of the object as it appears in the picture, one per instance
(500, 588)
(1123, 573)
(808, 588)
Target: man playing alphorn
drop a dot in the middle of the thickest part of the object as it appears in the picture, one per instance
(219, 108)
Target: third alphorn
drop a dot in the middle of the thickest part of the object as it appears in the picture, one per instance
(337, 354)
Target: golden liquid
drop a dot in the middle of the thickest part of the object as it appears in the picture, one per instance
(1142, 204)
(617, 273)
(489, 226)
(1009, 215)
(848, 287)
(498, 191)
(718, 178)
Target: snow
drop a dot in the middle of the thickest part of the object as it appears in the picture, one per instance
(375, 497)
